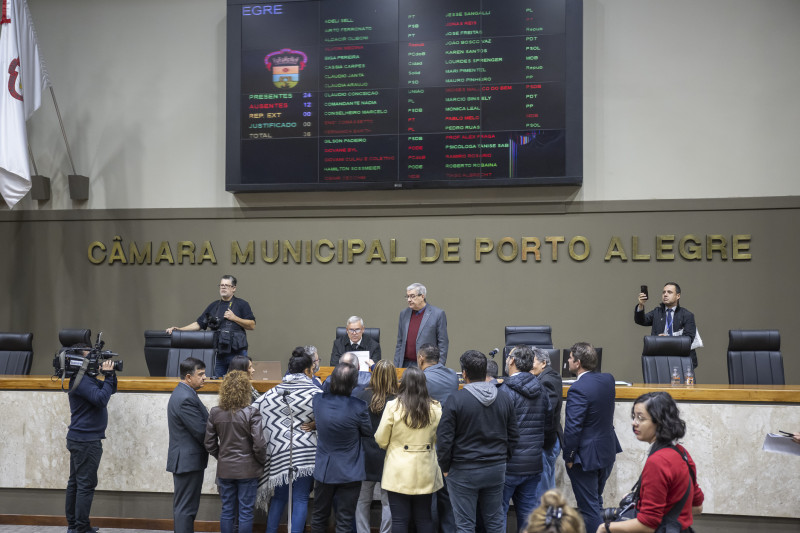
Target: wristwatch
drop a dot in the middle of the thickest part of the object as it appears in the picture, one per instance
(608, 529)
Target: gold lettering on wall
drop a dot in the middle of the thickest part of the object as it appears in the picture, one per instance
(664, 247)
(424, 245)
(584, 245)
(689, 247)
(741, 247)
(451, 246)
(508, 249)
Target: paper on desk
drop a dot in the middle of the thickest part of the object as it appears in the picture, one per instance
(363, 358)
(780, 444)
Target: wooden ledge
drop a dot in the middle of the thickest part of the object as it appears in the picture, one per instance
(124, 384)
(714, 393)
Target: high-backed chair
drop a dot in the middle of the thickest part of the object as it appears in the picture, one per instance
(16, 352)
(754, 357)
(539, 336)
(71, 337)
(533, 336)
(660, 354)
(157, 343)
(372, 333)
(185, 344)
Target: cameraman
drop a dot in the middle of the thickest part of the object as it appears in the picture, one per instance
(89, 417)
(229, 317)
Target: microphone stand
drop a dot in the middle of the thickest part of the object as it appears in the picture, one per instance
(292, 468)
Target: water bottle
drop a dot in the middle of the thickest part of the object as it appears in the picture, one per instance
(676, 377)
(689, 377)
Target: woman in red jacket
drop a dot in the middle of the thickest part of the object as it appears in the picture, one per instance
(669, 475)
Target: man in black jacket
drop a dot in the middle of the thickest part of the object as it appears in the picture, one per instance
(88, 401)
(533, 412)
(475, 439)
(551, 381)
(669, 318)
(355, 341)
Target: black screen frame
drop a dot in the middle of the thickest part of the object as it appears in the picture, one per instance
(573, 175)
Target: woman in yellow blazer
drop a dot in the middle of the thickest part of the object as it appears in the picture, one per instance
(411, 471)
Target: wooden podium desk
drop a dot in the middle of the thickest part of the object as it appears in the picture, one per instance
(726, 425)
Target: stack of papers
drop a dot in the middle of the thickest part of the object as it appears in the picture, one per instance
(780, 444)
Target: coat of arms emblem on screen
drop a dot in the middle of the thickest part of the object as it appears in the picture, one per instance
(285, 65)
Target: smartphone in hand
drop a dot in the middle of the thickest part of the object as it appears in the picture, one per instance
(644, 290)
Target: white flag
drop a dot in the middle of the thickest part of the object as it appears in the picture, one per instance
(24, 79)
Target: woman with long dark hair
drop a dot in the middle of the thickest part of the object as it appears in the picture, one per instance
(235, 439)
(411, 471)
(382, 389)
(667, 491)
(245, 364)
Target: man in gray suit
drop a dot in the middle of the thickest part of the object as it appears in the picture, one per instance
(425, 323)
(187, 457)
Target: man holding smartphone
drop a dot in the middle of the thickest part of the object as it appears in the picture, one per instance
(669, 318)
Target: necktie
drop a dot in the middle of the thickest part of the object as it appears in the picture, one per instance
(669, 321)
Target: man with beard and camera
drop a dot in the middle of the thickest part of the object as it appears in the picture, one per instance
(88, 398)
(229, 317)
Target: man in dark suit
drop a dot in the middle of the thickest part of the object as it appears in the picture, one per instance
(669, 318)
(442, 383)
(590, 443)
(425, 323)
(187, 457)
(339, 466)
(355, 341)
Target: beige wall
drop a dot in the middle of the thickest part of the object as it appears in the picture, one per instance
(53, 284)
(682, 99)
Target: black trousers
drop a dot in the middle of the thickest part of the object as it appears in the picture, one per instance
(84, 460)
(411, 508)
(346, 499)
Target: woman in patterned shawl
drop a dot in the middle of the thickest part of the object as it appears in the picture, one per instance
(284, 435)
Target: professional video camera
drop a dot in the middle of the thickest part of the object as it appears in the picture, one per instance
(69, 361)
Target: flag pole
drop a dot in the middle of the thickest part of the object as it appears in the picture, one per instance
(63, 133)
(78, 185)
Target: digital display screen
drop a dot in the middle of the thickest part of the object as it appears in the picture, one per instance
(382, 94)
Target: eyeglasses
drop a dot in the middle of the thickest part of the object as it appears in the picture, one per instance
(225, 286)
(354, 330)
(639, 419)
(412, 296)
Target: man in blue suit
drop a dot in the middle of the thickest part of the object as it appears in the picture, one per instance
(590, 443)
(339, 467)
(424, 323)
(187, 457)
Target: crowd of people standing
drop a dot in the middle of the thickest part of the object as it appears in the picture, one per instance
(440, 456)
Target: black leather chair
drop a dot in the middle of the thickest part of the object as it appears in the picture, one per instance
(16, 353)
(157, 343)
(372, 333)
(533, 336)
(754, 357)
(185, 344)
(661, 354)
(71, 337)
(539, 336)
